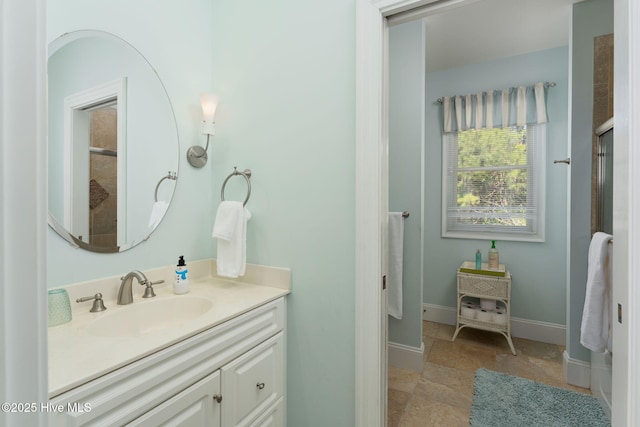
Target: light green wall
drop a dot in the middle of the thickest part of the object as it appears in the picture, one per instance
(285, 73)
(175, 37)
(538, 269)
(590, 19)
(406, 100)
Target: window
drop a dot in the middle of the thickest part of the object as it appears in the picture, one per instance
(493, 183)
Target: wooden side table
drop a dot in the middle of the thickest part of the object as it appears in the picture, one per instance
(472, 285)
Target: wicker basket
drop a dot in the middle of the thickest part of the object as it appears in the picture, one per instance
(487, 287)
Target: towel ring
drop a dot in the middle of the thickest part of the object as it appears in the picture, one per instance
(247, 175)
(170, 175)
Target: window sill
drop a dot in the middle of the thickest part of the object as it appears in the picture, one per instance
(534, 238)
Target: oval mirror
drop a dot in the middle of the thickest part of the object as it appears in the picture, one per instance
(113, 143)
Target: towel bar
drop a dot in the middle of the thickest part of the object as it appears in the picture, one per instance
(247, 175)
(170, 175)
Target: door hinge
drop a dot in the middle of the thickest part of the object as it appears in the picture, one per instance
(619, 313)
(384, 282)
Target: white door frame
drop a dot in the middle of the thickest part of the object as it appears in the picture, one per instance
(23, 216)
(76, 157)
(371, 198)
(371, 159)
(626, 214)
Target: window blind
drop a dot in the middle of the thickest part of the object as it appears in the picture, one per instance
(494, 182)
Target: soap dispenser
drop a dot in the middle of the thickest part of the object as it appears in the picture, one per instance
(494, 258)
(181, 284)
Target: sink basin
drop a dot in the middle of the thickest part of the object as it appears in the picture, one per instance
(144, 317)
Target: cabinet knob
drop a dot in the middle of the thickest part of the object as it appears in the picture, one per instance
(260, 386)
(217, 398)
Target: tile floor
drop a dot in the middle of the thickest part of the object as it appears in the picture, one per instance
(442, 393)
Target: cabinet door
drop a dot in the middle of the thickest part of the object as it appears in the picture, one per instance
(193, 407)
(253, 382)
(272, 417)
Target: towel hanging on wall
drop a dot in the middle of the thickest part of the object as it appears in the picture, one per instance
(394, 279)
(158, 210)
(230, 228)
(596, 314)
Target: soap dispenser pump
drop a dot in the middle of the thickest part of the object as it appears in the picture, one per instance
(181, 284)
(494, 256)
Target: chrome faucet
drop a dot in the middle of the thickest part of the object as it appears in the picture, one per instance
(125, 293)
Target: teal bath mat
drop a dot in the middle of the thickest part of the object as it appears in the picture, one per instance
(504, 400)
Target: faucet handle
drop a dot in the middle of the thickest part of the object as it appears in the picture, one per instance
(98, 304)
(148, 292)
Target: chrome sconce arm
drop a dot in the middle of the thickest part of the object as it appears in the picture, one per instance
(196, 155)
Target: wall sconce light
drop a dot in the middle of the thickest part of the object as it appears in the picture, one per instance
(196, 155)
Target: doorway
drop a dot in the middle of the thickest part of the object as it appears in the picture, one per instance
(371, 183)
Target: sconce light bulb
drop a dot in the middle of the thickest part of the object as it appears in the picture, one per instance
(209, 106)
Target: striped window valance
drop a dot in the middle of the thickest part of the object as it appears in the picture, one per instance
(515, 106)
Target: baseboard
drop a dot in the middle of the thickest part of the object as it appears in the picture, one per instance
(551, 333)
(406, 357)
(576, 372)
(439, 314)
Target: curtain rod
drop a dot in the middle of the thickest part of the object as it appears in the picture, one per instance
(547, 84)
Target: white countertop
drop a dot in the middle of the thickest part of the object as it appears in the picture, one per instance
(76, 356)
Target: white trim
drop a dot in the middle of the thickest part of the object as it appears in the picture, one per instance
(631, 370)
(406, 357)
(76, 156)
(568, 200)
(602, 379)
(552, 333)
(370, 363)
(370, 161)
(576, 372)
(535, 330)
(23, 191)
(439, 314)
(429, 9)
(626, 220)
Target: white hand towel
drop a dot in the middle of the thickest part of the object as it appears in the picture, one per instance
(230, 228)
(596, 314)
(394, 279)
(157, 213)
(227, 217)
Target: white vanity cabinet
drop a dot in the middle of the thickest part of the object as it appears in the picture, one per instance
(253, 383)
(229, 375)
(195, 406)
